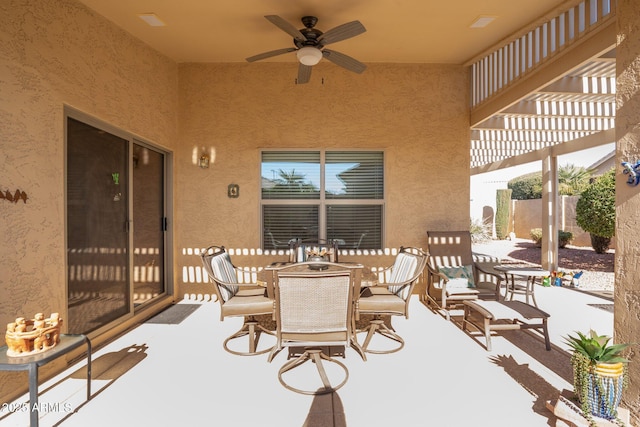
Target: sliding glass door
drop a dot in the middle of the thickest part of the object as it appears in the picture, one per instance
(116, 225)
(149, 224)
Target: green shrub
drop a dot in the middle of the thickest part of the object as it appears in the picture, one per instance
(572, 180)
(503, 205)
(526, 186)
(564, 237)
(600, 244)
(596, 211)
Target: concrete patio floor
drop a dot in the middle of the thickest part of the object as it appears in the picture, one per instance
(179, 375)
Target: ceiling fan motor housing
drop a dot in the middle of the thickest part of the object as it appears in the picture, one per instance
(311, 34)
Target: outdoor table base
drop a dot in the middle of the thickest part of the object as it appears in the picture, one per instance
(32, 362)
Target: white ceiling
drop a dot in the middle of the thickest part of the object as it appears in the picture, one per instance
(398, 31)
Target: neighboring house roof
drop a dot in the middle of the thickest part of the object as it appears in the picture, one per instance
(604, 164)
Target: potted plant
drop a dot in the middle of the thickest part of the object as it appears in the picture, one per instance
(599, 374)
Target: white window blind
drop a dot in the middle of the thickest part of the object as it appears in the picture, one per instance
(319, 196)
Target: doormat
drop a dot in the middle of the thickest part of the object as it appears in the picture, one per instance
(174, 315)
(605, 307)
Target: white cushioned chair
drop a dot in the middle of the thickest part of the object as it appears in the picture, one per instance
(246, 300)
(391, 298)
(313, 310)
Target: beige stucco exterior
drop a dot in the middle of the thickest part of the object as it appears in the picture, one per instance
(627, 291)
(57, 53)
(415, 113)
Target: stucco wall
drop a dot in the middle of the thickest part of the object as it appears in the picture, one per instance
(52, 53)
(527, 214)
(417, 114)
(627, 268)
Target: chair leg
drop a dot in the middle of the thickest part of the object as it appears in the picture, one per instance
(487, 332)
(354, 340)
(433, 305)
(377, 325)
(251, 329)
(545, 332)
(316, 356)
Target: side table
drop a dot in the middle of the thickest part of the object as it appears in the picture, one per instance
(32, 362)
(530, 273)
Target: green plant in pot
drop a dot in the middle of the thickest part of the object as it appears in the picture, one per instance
(599, 374)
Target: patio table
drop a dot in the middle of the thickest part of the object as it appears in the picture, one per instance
(31, 363)
(368, 280)
(530, 274)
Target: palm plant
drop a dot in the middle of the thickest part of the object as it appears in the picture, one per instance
(572, 180)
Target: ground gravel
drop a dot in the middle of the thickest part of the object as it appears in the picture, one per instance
(597, 268)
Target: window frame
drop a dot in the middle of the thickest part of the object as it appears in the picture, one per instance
(322, 202)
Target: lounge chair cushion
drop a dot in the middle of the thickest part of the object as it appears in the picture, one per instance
(461, 276)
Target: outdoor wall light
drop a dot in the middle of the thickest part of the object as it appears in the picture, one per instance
(203, 162)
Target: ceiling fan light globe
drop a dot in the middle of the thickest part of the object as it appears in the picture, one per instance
(309, 55)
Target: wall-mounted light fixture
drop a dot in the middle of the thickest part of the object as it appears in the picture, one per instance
(203, 162)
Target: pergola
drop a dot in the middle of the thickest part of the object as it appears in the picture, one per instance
(565, 104)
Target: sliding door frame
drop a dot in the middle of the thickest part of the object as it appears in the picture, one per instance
(159, 302)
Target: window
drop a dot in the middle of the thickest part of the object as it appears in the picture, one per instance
(322, 195)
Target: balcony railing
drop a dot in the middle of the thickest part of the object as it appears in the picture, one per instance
(519, 55)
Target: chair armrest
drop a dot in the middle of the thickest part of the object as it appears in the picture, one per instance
(435, 272)
(489, 273)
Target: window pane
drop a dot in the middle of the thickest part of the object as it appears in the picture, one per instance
(359, 226)
(282, 223)
(291, 175)
(354, 175)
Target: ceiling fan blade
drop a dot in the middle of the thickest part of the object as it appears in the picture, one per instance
(269, 54)
(344, 61)
(342, 32)
(304, 73)
(286, 27)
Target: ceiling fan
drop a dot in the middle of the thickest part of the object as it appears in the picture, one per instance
(310, 45)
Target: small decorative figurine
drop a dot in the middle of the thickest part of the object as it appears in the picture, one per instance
(26, 337)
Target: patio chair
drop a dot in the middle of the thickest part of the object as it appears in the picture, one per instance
(237, 299)
(313, 309)
(391, 299)
(455, 274)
